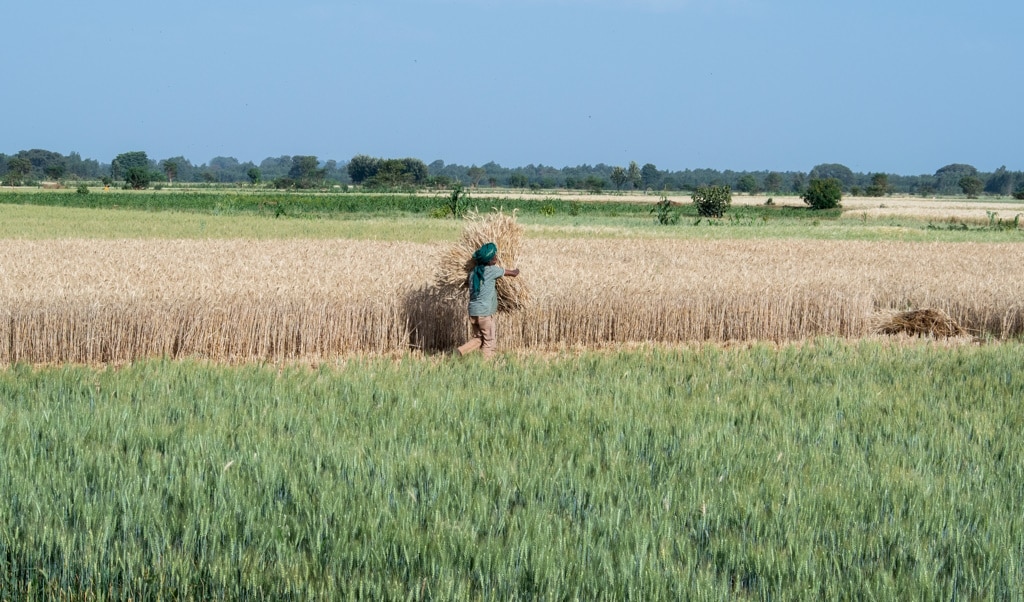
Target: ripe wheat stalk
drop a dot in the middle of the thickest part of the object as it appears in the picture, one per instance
(111, 301)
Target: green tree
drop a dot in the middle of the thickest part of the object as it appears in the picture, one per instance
(227, 169)
(272, 168)
(594, 184)
(971, 186)
(773, 182)
(475, 174)
(440, 182)
(54, 171)
(649, 176)
(518, 180)
(747, 183)
(254, 175)
(122, 163)
(391, 174)
(618, 177)
(416, 169)
(1001, 182)
(634, 175)
(798, 184)
(306, 172)
(184, 171)
(170, 167)
(947, 178)
(836, 171)
(823, 193)
(81, 168)
(17, 169)
(44, 162)
(879, 185)
(137, 178)
(362, 167)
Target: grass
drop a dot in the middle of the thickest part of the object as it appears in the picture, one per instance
(818, 471)
(34, 222)
(64, 215)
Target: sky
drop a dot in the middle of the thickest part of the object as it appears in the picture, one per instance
(897, 86)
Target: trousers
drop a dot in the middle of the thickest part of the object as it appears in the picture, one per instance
(483, 336)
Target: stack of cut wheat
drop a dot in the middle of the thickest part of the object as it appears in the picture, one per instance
(457, 260)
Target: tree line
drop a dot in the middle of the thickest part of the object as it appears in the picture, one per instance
(135, 169)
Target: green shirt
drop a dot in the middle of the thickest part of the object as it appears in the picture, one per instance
(485, 301)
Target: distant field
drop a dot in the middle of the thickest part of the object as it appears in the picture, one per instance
(210, 216)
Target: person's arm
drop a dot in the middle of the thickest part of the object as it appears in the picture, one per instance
(512, 273)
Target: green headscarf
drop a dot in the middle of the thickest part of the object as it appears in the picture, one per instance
(482, 257)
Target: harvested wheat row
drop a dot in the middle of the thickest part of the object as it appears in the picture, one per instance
(112, 301)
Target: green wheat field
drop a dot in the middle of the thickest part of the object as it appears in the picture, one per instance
(823, 470)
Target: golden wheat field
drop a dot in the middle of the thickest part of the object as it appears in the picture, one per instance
(236, 300)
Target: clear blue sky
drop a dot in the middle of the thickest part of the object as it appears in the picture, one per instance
(901, 87)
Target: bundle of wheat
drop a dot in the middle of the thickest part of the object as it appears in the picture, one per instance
(457, 260)
(921, 322)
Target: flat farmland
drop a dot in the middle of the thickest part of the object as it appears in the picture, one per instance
(223, 404)
(237, 300)
(915, 207)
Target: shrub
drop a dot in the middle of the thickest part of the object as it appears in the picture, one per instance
(82, 189)
(712, 201)
(138, 178)
(665, 210)
(455, 204)
(823, 193)
(283, 183)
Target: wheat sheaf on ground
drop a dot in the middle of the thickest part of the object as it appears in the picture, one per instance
(456, 260)
(919, 322)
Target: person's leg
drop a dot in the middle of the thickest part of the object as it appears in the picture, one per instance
(477, 341)
(488, 334)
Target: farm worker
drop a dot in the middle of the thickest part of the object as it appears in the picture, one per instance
(483, 299)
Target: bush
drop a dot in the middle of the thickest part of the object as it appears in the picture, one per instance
(823, 193)
(82, 189)
(138, 178)
(284, 183)
(712, 201)
(665, 209)
(456, 204)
